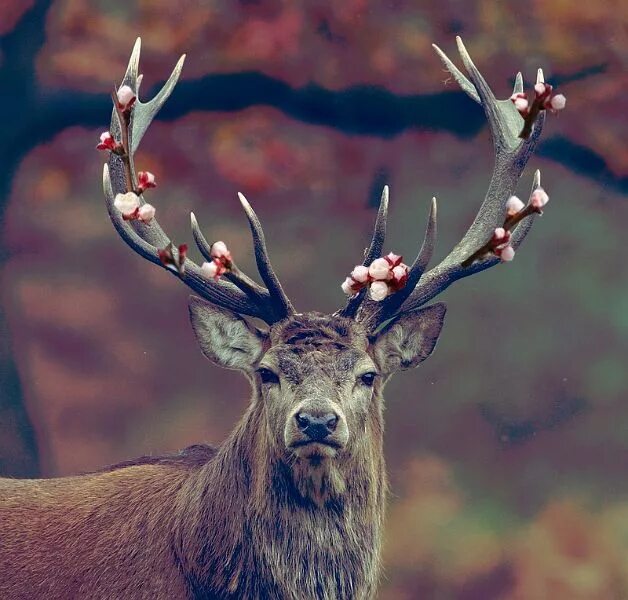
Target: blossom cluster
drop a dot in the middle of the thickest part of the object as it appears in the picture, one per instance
(221, 263)
(383, 277)
(515, 211)
(543, 98)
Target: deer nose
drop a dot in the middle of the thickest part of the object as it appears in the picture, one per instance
(316, 427)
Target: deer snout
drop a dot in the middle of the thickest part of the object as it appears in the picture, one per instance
(317, 426)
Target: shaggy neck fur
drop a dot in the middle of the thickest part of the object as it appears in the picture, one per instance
(257, 524)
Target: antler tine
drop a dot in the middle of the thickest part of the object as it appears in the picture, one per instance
(374, 250)
(219, 293)
(281, 303)
(444, 274)
(379, 231)
(235, 275)
(511, 155)
(240, 293)
(373, 314)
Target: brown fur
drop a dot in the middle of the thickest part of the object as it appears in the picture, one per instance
(256, 518)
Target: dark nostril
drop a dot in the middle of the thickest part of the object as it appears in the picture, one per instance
(316, 427)
(331, 420)
(303, 420)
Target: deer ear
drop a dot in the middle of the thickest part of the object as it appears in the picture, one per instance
(409, 339)
(225, 337)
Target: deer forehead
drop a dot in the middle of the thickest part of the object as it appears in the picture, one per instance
(303, 364)
(319, 331)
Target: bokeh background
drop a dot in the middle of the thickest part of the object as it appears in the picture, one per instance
(508, 449)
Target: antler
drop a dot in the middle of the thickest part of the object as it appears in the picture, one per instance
(240, 293)
(512, 150)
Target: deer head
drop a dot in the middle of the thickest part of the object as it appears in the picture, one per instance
(318, 379)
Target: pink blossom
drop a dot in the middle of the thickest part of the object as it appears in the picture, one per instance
(220, 250)
(106, 142)
(145, 180)
(347, 286)
(521, 104)
(210, 270)
(520, 101)
(393, 259)
(146, 213)
(127, 203)
(506, 254)
(378, 290)
(540, 88)
(399, 272)
(513, 206)
(360, 274)
(380, 269)
(499, 234)
(126, 97)
(539, 198)
(558, 102)
(399, 277)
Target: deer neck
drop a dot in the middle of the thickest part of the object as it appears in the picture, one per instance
(248, 527)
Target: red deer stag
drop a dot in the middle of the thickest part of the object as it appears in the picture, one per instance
(291, 505)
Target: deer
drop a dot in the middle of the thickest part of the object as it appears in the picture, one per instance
(291, 505)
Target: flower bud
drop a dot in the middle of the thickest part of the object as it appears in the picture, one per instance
(360, 274)
(106, 141)
(499, 234)
(380, 269)
(125, 96)
(347, 286)
(127, 203)
(145, 180)
(146, 213)
(558, 102)
(210, 270)
(507, 253)
(393, 259)
(399, 272)
(539, 198)
(513, 206)
(540, 88)
(220, 250)
(378, 290)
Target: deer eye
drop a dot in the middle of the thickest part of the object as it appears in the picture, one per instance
(368, 378)
(267, 376)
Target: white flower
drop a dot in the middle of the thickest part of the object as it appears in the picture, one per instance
(209, 269)
(393, 259)
(539, 198)
(378, 290)
(380, 269)
(219, 250)
(539, 88)
(125, 95)
(399, 272)
(146, 213)
(347, 286)
(521, 104)
(499, 234)
(360, 274)
(507, 254)
(126, 203)
(558, 102)
(513, 206)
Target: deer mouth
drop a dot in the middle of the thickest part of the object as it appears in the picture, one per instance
(315, 449)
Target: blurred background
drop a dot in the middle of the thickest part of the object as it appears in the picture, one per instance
(508, 449)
